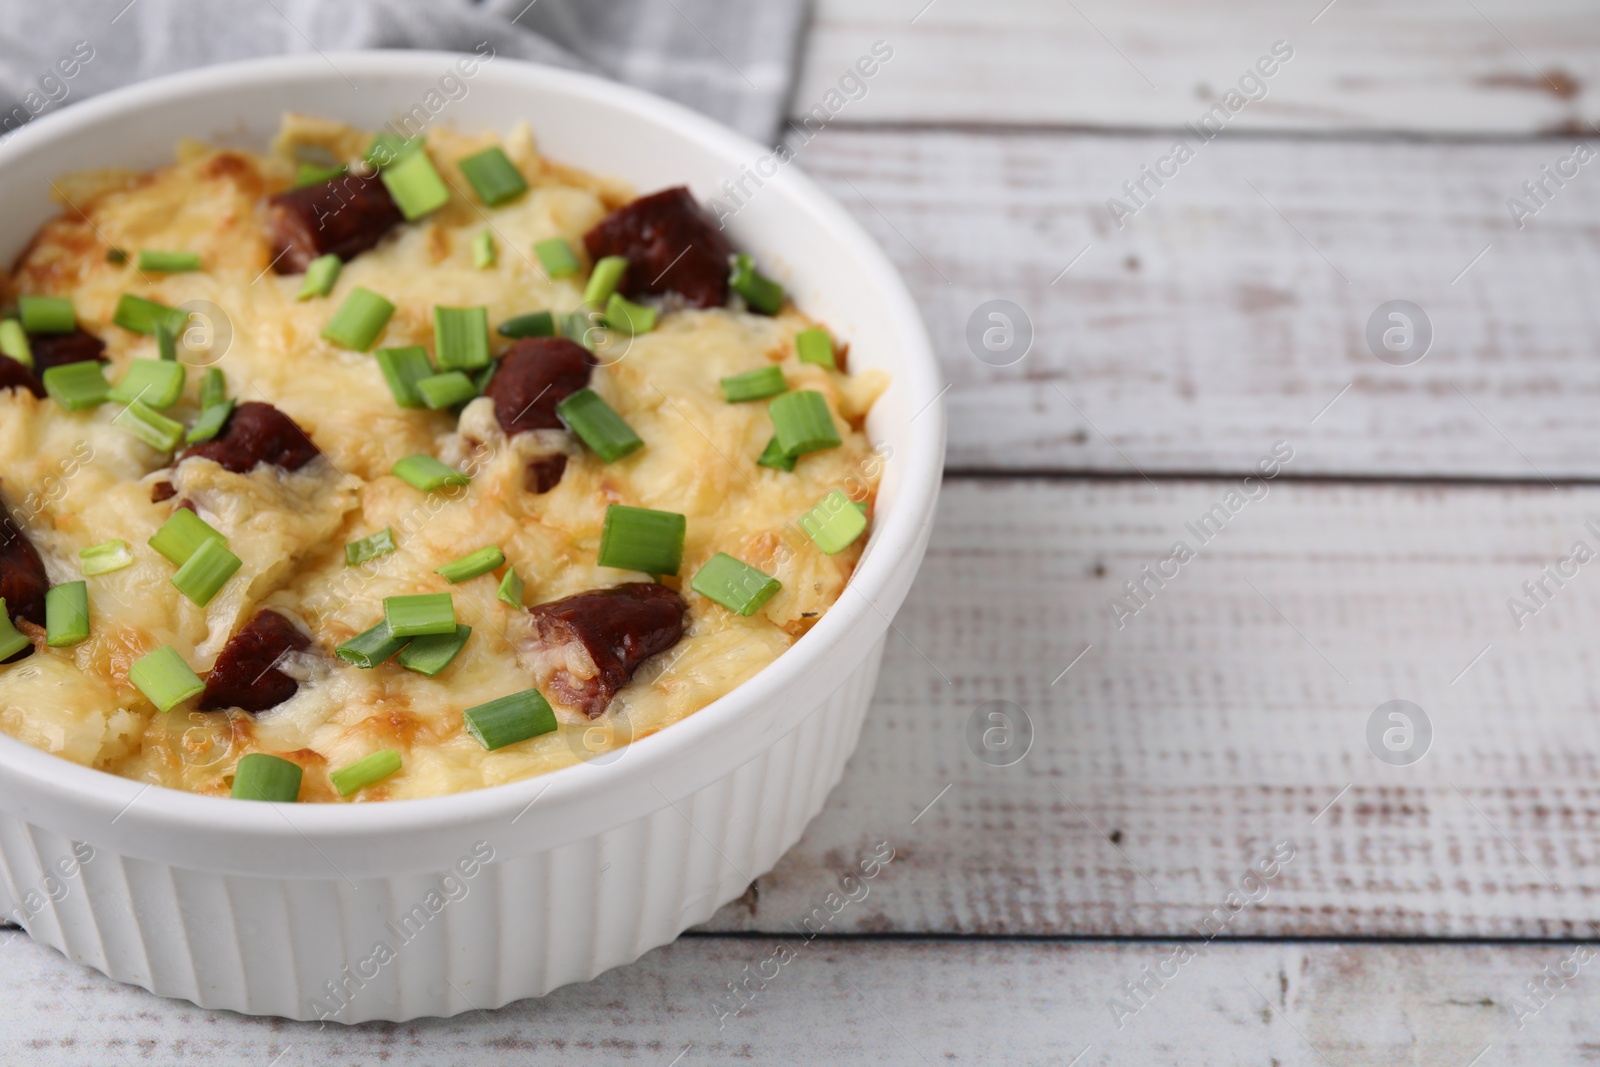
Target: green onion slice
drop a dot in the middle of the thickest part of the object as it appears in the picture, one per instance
(815, 346)
(321, 274)
(104, 558)
(366, 771)
(371, 647)
(604, 279)
(760, 292)
(359, 320)
(642, 539)
(116, 255)
(734, 584)
(14, 342)
(260, 776)
(754, 385)
(423, 472)
(47, 314)
(213, 388)
(533, 324)
(420, 614)
(166, 343)
(150, 426)
(167, 262)
(402, 369)
(209, 423)
(461, 337)
(66, 615)
(315, 174)
(511, 587)
(510, 719)
(445, 390)
(415, 185)
(206, 571)
(370, 547)
(494, 176)
(556, 256)
(12, 640)
(76, 386)
(801, 423)
(182, 534)
(165, 678)
(775, 457)
(834, 523)
(387, 148)
(431, 654)
(598, 425)
(483, 251)
(632, 319)
(139, 315)
(155, 383)
(472, 564)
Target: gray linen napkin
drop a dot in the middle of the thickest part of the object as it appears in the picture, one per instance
(731, 59)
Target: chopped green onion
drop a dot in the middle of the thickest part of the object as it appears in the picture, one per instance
(12, 640)
(104, 558)
(205, 572)
(754, 384)
(210, 422)
(370, 547)
(359, 320)
(557, 257)
(420, 614)
(510, 719)
(321, 273)
(533, 324)
(472, 564)
(860, 505)
(760, 292)
(604, 279)
(260, 776)
(815, 346)
(431, 654)
(76, 386)
(446, 390)
(371, 647)
(151, 427)
(66, 615)
(481, 380)
(213, 388)
(494, 176)
(315, 174)
(511, 587)
(154, 382)
(166, 343)
(642, 539)
(116, 255)
(182, 534)
(14, 342)
(416, 187)
(585, 326)
(600, 427)
(632, 319)
(734, 584)
(801, 422)
(167, 262)
(423, 472)
(833, 523)
(461, 337)
(774, 457)
(402, 369)
(387, 148)
(483, 253)
(369, 770)
(165, 678)
(139, 315)
(47, 314)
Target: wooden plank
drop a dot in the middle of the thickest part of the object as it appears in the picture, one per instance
(1229, 714)
(1413, 65)
(873, 1002)
(1232, 310)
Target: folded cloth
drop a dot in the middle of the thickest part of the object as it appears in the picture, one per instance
(731, 59)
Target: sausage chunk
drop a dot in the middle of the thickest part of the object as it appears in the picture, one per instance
(672, 245)
(59, 349)
(257, 433)
(535, 375)
(246, 674)
(23, 581)
(345, 216)
(544, 473)
(586, 647)
(15, 375)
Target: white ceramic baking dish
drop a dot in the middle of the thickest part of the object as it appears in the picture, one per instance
(432, 907)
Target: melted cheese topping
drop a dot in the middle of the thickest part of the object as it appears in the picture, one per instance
(72, 480)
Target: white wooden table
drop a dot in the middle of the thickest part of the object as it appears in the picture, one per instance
(1230, 712)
